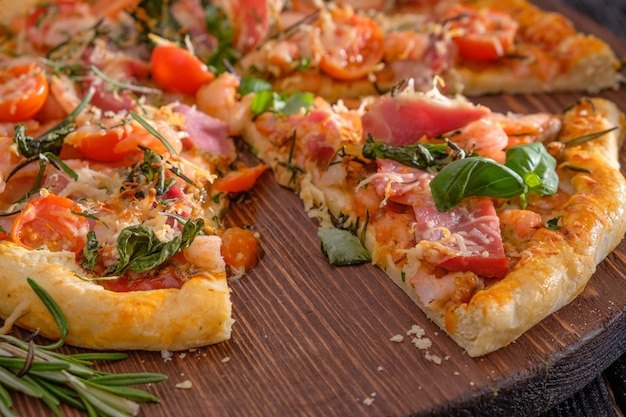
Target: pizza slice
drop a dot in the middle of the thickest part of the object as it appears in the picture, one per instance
(341, 51)
(114, 188)
(488, 221)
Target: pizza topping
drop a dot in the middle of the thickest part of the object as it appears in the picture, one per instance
(52, 222)
(240, 180)
(206, 133)
(528, 168)
(176, 69)
(140, 249)
(481, 35)
(23, 92)
(404, 118)
(240, 248)
(353, 44)
(464, 238)
(51, 24)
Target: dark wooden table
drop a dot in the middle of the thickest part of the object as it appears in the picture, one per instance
(313, 340)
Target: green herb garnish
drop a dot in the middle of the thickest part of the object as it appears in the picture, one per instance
(141, 250)
(528, 168)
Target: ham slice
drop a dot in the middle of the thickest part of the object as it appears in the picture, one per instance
(465, 238)
(206, 132)
(406, 117)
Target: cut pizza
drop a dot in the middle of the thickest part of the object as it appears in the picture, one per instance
(117, 126)
(114, 187)
(477, 47)
(489, 222)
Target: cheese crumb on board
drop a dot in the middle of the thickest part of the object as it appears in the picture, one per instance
(184, 385)
(397, 338)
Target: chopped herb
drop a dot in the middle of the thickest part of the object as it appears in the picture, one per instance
(90, 253)
(419, 155)
(553, 224)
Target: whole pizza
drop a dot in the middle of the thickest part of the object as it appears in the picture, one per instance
(122, 125)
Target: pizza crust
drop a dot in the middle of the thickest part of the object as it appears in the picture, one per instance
(196, 315)
(558, 263)
(591, 66)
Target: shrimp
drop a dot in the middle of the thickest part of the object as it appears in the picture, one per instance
(205, 253)
(219, 99)
(485, 137)
(519, 225)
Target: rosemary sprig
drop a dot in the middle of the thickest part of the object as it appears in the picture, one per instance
(40, 372)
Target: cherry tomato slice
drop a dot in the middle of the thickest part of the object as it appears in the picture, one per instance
(483, 35)
(240, 248)
(49, 221)
(100, 146)
(240, 180)
(23, 92)
(177, 70)
(353, 45)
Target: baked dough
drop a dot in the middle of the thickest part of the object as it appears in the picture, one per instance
(196, 315)
(557, 264)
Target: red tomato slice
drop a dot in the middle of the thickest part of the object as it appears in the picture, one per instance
(23, 92)
(137, 282)
(240, 248)
(240, 180)
(177, 70)
(48, 221)
(483, 35)
(353, 45)
(100, 146)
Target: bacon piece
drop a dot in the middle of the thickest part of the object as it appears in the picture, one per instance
(466, 238)
(406, 117)
(206, 132)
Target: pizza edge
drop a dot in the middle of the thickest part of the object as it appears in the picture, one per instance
(198, 314)
(558, 264)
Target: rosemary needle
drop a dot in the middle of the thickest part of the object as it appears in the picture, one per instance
(38, 371)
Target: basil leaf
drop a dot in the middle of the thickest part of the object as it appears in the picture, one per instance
(536, 166)
(294, 103)
(253, 85)
(475, 176)
(262, 102)
(342, 247)
(141, 250)
(279, 103)
(418, 155)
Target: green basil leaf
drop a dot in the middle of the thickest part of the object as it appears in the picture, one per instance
(262, 102)
(284, 105)
(536, 166)
(342, 247)
(141, 250)
(295, 102)
(253, 85)
(475, 176)
(421, 156)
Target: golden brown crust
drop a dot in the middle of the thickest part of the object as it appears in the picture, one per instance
(196, 315)
(558, 263)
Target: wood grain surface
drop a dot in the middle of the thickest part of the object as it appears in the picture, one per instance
(314, 340)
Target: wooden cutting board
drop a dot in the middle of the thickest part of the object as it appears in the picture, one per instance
(314, 340)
